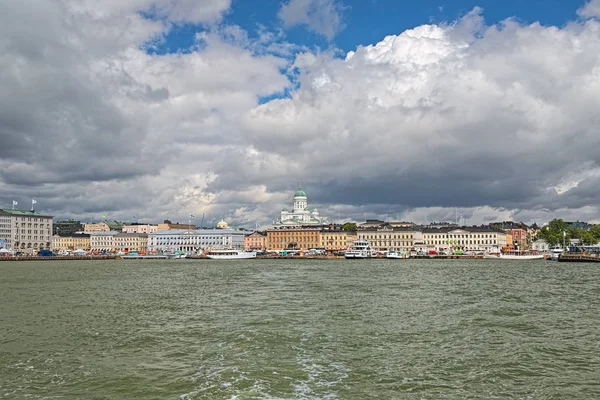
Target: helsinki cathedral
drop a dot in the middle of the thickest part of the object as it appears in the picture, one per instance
(301, 214)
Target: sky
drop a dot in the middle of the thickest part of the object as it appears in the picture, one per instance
(157, 109)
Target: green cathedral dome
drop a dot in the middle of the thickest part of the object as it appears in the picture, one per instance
(300, 193)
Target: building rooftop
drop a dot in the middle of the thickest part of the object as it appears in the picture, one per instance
(73, 235)
(27, 213)
(198, 232)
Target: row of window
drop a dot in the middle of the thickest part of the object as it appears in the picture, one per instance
(489, 241)
(379, 237)
(466, 236)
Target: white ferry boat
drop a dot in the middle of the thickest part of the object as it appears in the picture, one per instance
(360, 249)
(397, 254)
(515, 255)
(555, 253)
(230, 254)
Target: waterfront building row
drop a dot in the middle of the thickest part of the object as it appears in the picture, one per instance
(386, 237)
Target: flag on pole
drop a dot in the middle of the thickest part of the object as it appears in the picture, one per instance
(32, 203)
(15, 203)
(192, 216)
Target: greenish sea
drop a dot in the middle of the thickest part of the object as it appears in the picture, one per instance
(299, 329)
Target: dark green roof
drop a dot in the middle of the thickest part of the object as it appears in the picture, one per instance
(300, 193)
(24, 212)
(114, 224)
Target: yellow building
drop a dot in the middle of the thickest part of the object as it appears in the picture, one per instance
(336, 240)
(388, 238)
(293, 237)
(127, 242)
(71, 242)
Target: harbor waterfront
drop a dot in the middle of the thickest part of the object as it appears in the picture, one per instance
(285, 329)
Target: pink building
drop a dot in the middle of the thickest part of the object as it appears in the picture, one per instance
(140, 228)
(255, 241)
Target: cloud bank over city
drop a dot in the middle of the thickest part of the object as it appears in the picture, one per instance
(499, 120)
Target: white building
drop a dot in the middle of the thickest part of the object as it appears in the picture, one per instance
(103, 241)
(25, 231)
(465, 238)
(301, 214)
(195, 240)
(540, 245)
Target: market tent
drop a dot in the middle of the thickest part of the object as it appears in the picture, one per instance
(3, 251)
(80, 252)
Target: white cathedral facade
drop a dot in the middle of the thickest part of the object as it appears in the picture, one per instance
(301, 214)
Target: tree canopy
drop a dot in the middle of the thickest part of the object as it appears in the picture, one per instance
(348, 226)
(558, 231)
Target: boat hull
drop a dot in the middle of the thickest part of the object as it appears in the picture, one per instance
(242, 255)
(513, 257)
(357, 256)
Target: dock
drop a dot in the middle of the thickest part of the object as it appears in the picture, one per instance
(579, 257)
(58, 258)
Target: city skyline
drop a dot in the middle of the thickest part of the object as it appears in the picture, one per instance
(162, 109)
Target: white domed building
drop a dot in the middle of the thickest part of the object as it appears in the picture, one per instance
(222, 224)
(301, 214)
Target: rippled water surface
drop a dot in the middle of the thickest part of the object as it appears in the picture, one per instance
(283, 329)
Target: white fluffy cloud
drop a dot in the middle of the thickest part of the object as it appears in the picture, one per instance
(500, 121)
(590, 9)
(321, 16)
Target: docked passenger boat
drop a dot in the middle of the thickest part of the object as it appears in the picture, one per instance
(397, 254)
(515, 255)
(176, 255)
(230, 254)
(135, 255)
(555, 253)
(360, 249)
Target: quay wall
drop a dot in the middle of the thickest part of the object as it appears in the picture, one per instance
(579, 257)
(57, 258)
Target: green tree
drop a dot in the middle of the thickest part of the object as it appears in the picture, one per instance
(348, 226)
(587, 238)
(595, 231)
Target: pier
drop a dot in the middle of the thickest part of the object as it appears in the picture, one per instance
(579, 257)
(58, 258)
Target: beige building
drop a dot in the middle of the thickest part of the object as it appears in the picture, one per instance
(127, 242)
(25, 231)
(96, 227)
(168, 226)
(143, 228)
(71, 242)
(465, 239)
(388, 238)
(103, 226)
(335, 240)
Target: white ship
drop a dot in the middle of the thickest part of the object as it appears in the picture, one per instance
(230, 254)
(555, 253)
(515, 255)
(397, 254)
(360, 249)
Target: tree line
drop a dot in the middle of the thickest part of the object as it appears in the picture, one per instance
(558, 231)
